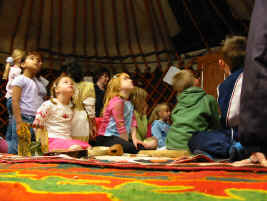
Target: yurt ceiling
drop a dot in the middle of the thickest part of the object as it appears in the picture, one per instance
(119, 33)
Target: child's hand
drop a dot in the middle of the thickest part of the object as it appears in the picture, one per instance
(136, 142)
(38, 124)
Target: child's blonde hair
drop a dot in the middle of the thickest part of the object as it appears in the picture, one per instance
(54, 86)
(17, 55)
(155, 115)
(138, 98)
(183, 80)
(113, 88)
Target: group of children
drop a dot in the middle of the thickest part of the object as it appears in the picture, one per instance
(69, 115)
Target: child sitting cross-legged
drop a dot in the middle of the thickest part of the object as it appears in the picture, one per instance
(160, 119)
(56, 116)
(118, 125)
(138, 98)
(195, 111)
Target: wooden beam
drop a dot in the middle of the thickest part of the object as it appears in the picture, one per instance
(74, 25)
(115, 24)
(102, 23)
(85, 24)
(93, 21)
(28, 26)
(19, 16)
(40, 24)
(51, 16)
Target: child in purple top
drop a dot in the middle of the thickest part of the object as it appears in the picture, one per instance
(27, 96)
(118, 122)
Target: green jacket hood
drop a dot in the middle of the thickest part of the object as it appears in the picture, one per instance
(190, 96)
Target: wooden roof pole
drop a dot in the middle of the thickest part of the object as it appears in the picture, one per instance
(218, 12)
(168, 56)
(39, 26)
(127, 30)
(74, 26)
(85, 24)
(22, 4)
(116, 35)
(59, 32)
(136, 32)
(195, 23)
(51, 16)
(102, 21)
(28, 26)
(138, 41)
(93, 20)
(166, 28)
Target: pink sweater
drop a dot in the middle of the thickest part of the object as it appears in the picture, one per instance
(118, 118)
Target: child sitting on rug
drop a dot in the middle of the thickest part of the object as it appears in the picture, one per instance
(138, 98)
(118, 123)
(56, 116)
(83, 122)
(195, 111)
(160, 119)
(27, 96)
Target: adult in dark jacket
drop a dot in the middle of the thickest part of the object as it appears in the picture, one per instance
(253, 110)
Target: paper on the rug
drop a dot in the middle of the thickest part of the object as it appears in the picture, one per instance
(170, 74)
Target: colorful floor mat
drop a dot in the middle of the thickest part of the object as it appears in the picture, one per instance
(71, 182)
(191, 163)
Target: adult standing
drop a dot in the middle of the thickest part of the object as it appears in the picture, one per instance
(101, 79)
(253, 111)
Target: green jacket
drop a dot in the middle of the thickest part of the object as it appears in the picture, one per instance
(195, 111)
(141, 130)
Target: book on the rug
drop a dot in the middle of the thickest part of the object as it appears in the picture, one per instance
(170, 74)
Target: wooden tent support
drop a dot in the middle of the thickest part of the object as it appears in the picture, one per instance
(29, 21)
(195, 23)
(51, 32)
(103, 57)
(59, 31)
(115, 24)
(18, 20)
(74, 26)
(218, 12)
(102, 22)
(127, 30)
(40, 22)
(85, 24)
(93, 22)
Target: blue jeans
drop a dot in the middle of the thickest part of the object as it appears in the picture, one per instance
(9, 111)
(12, 137)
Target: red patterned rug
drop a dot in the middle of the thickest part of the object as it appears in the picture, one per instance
(61, 178)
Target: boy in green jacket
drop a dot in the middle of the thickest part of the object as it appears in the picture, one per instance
(195, 111)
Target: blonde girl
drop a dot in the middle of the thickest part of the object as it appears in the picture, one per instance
(56, 116)
(12, 70)
(160, 119)
(138, 98)
(118, 123)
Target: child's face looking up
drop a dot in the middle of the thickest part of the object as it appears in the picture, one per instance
(126, 83)
(65, 86)
(33, 63)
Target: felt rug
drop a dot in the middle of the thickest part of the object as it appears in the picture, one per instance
(190, 163)
(30, 181)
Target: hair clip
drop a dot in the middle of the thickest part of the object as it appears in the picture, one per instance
(115, 76)
(10, 60)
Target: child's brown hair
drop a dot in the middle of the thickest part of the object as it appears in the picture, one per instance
(183, 80)
(234, 51)
(138, 98)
